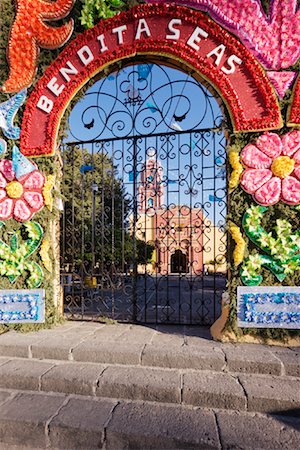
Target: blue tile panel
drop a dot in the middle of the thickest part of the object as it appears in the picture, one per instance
(269, 307)
(22, 306)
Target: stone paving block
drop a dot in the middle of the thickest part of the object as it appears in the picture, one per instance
(23, 419)
(142, 426)
(202, 332)
(248, 431)
(4, 396)
(251, 358)
(290, 359)
(17, 344)
(23, 374)
(18, 447)
(169, 335)
(110, 352)
(183, 357)
(271, 394)
(80, 424)
(137, 333)
(3, 361)
(58, 347)
(196, 341)
(137, 383)
(72, 378)
(213, 390)
(86, 331)
(87, 326)
(111, 331)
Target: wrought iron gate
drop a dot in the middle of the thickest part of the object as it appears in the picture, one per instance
(144, 187)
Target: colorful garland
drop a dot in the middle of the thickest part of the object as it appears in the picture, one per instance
(181, 51)
(14, 257)
(239, 251)
(47, 191)
(274, 39)
(234, 160)
(282, 253)
(44, 254)
(31, 31)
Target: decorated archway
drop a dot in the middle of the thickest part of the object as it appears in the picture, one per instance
(172, 31)
(247, 56)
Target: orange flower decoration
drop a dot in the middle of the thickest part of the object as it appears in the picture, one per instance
(31, 31)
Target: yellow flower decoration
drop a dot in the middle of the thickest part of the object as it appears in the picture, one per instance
(47, 191)
(234, 159)
(14, 189)
(239, 251)
(44, 253)
(282, 166)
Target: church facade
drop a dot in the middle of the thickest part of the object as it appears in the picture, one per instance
(185, 241)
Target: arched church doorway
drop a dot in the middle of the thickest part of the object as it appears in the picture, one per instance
(145, 173)
(179, 262)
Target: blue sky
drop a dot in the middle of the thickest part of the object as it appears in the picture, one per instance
(153, 102)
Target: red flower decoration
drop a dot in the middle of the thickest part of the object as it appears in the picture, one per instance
(21, 198)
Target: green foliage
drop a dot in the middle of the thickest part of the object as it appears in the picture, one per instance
(280, 247)
(97, 202)
(93, 10)
(14, 255)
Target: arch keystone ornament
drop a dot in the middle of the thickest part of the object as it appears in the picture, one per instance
(175, 32)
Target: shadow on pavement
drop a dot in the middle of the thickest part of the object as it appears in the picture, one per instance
(201, 331)
(290, 417)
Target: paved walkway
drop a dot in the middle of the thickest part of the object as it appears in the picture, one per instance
(87, 385)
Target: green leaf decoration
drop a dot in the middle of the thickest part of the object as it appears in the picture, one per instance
(93, 10)
(281, 248)
(14, 257)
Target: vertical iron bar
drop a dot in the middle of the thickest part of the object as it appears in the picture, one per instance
(93, 212)
(113, 265)
(135, 218)
(82, 271)
(191, 234)
(123, 225)
(154, 224)
(214, 226)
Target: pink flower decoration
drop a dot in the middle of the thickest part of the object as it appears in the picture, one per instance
(273, 169)
(20, 198)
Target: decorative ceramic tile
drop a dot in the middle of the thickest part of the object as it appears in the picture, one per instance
(22, 306)
(269, 307)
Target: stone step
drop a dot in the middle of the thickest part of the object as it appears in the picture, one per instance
(200, 388)
(38, 420)
(164, 347)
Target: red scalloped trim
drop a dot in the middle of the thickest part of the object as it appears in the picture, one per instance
(294, 110)
(177, 50)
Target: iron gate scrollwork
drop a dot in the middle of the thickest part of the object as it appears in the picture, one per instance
(143, 229)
